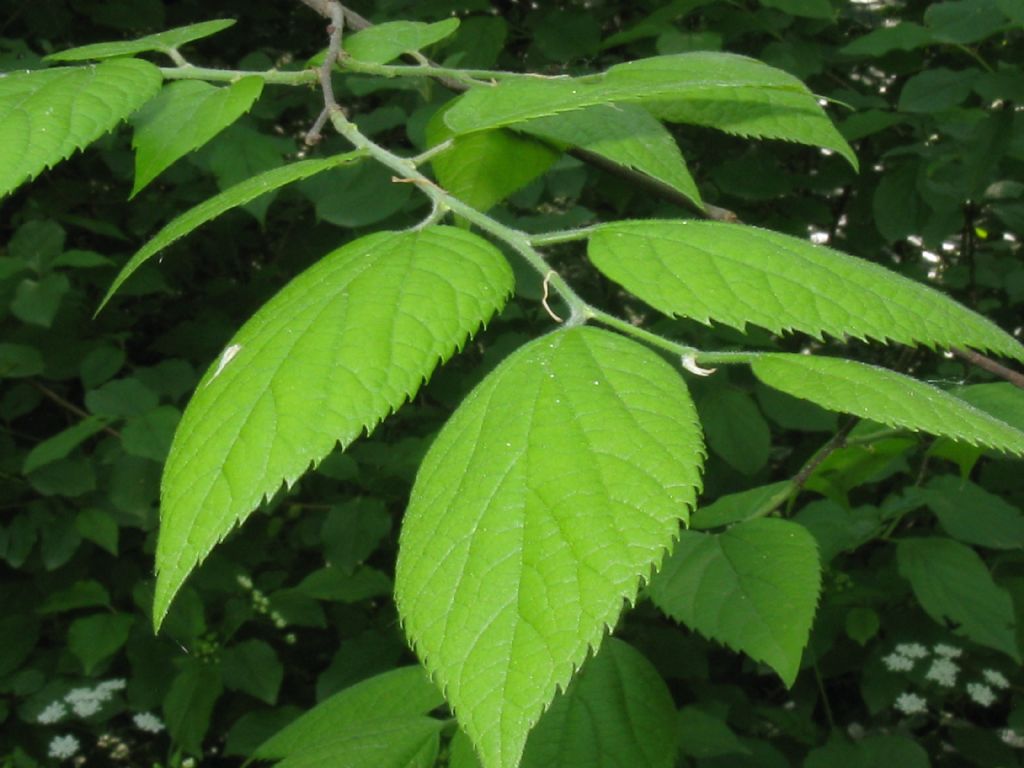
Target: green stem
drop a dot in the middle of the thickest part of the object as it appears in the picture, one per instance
(468, 76)
(563, 236)
(272, 76)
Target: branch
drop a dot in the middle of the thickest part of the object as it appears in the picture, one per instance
(69, 406)
(990, 365)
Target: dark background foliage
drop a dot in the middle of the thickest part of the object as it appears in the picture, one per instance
(263, 631)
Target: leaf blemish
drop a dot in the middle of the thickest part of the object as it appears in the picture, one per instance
(226, 357)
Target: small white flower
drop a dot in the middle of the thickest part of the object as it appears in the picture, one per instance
(912, 650)
(855, 731)
(943, 671)
(107, 687)
(63, 747)
(895, 662)
(911, 704)
(1012, 738)
(244, 581)
(146, 721)
(53, 713)
(86, 701)
(981, 694)
(995, 678)
(948, 651)
(86, 707)
(79, 694)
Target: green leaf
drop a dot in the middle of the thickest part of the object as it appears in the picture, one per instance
(186, 115)
(37, 301)
(905, 36)
(352, 531)
(409, 742)
(973, 515)
(964, 21)
(241, 153)
(732, 93)
(952, 584)
(936, 89)
(209, 209)
(120, 398)
(94, 639)
(19, 360)
(356, 196)
(626, 134)
(484, 168)
(382, 43)
(162, 41)
(874, 750)
(616, 712)
(99, 527)
(736, 507)
(551, 492)
(812, 9)
(704, 736)
(736, 275)
(1001, 399)
(333, 353)
(735, 429)
(753, 587)
(399, 695)
(149, 435)
(81, 594)
(61, 444)
(45, 115)
(189, 704)
(252, 667)
(886, 397)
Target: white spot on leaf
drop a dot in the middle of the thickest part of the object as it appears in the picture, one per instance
(226, 357)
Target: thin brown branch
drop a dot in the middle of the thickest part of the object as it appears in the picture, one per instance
(69, 406)
(336, 13)
(990, 365)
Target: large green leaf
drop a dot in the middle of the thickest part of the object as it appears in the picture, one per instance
(211, 208)
(952, 583)
(733, 93)
(401, 695)
(383, 42)
(616, 712)
(186, 115)
(549, 495)
(885, 396)
(162, 41)
(46, 115)
(627, 135)
(735, 275)
(753, 587)
(409, 742)
(333, 353)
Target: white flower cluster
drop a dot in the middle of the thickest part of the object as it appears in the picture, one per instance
(911, 704)
(63, 747)
(904, 656)
(84, 702)
(147, 721)
(943, 671)
(1011, 738)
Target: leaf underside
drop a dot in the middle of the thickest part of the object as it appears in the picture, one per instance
(735, 274)
(339, 348)
(886, 397)
(211, 208)
(754, 588)
(549, 495)
(46, 115)
(185, 116)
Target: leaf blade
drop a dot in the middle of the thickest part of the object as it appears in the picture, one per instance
(486, 538)
(339, 348)
(46, 115)
(886, 397)
(385, 42)
(736, 275)
(211, 208)
(161, 41)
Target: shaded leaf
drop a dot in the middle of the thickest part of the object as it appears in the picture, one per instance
(735, 429)
(211, 208)
(186, 115)
(94, 639)
(952, 584)
(333, 353)
(551, 492)
(617, 711)
(886, 397)
(63, 443)
(45, 115)
(252, 667)
(754, 588)
(162, 41)
(736, 275)
(189, 704)
(385, 42)
(973, 515)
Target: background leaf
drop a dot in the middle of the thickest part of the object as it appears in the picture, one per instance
(338, 349)
(186, 115)
(46, 115)
(884, 396)
(737, 275)
(754, 587)
(952, 583)
(617, 711)
(973, 515)
(382, 43)
(547, 497)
